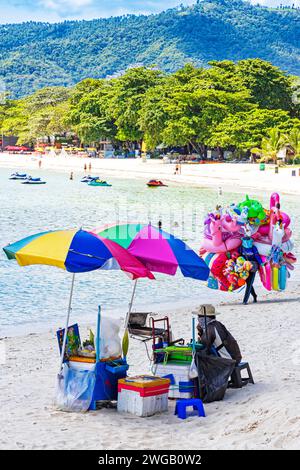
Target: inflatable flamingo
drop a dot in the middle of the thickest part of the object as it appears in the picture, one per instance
(218, 243)
(275, 215)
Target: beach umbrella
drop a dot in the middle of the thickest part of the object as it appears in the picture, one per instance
(76, 251)
(158, 250)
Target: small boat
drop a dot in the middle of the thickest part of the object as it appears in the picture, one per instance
(87, 179)
(155, 184)
(97, 182)
(30, 180)
(18, 176)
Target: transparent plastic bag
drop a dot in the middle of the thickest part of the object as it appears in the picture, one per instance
(110, 342)
(74, 390)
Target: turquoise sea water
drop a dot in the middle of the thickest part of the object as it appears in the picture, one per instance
(39, 294)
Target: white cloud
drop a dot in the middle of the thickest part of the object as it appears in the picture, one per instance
(56, 4)
(66, 5)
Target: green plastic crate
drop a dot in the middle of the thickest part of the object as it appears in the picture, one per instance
(177, 353)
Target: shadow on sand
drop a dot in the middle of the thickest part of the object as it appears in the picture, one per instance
(265, 301)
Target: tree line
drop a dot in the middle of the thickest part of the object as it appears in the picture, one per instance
(228, 106)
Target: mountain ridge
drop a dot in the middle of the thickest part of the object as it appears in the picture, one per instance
(34, 54)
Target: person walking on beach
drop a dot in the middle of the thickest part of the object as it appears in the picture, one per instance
(90, 166)
(85, 167)
(71, 176)
(213, 333)
(40, 163)
(250, 253)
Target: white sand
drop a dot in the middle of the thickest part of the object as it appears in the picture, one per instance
(232, 177)
(261, 416)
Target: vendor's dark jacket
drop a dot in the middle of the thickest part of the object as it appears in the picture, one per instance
(218, 336)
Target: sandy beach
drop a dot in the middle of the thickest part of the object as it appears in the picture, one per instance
(227, 176)
(261, 416)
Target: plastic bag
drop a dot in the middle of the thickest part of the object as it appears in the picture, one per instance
(213, 376)
(110, 342)
(74, 390)
(193, 372)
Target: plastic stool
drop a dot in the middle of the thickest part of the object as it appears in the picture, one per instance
(236, 380)
(181, 406)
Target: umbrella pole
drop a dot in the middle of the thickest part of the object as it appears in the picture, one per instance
(67, 324)
(130, 305)
(125, 341)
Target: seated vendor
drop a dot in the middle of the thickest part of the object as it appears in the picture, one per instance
(214, 333)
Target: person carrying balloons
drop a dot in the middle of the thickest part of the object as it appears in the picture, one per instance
(250, 253)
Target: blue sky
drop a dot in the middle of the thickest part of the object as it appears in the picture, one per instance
(13, 11)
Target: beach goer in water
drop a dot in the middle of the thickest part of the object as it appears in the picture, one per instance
(71, 176)
(213, 333)
(250, 253)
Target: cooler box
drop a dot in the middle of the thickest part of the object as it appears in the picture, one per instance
(143, 395)
(181, 384)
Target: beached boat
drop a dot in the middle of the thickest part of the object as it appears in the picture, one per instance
(18, 176)
(97, 182)
(155, 184)
(30, 180)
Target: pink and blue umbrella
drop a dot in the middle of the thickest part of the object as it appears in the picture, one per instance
(158, 250)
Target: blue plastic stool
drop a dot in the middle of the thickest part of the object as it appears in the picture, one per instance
(182, 404)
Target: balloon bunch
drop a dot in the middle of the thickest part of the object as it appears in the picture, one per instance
(237, 270)
(241, 234)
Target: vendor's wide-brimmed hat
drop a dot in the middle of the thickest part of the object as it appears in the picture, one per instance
(206, 309)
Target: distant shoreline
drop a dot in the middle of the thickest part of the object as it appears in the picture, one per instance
(230, 177)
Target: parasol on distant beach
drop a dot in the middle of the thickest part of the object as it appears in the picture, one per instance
(158, 250)
(76, 251)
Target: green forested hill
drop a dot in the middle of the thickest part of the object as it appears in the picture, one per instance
(34, 55)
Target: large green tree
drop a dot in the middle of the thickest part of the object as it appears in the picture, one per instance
(127, 98)
(245, 130)
(185, 107)
(89, 112)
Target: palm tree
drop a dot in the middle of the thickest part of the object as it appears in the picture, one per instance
(271, 145)
(293, 140)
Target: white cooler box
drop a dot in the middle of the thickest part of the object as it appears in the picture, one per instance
(181, 385)
(143, 395)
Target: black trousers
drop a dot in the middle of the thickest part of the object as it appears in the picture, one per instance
(249, 287)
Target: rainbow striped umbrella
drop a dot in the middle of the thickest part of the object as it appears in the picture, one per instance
(76, 251)
(158, 250)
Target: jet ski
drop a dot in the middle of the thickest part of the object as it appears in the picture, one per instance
(18, 176)
(30, 180)
(155, 184)
(97, 182)
(87, 179)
